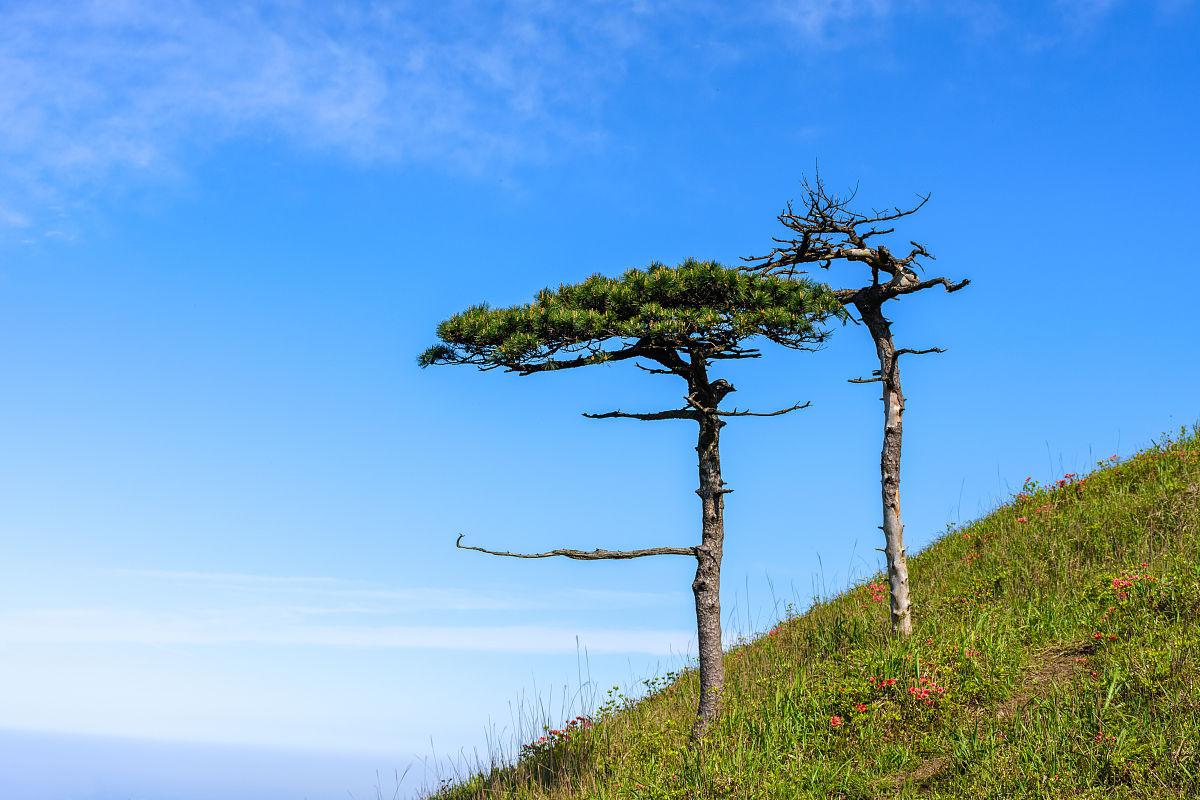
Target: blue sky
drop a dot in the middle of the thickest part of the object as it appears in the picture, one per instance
(228, 497)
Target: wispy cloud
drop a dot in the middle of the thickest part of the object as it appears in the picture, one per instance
(826, 21)
(844, 24)
(1088, 11)
(12, 219)
(254, 627)
(99, 92)
(182, 607)
(240, 579)
(103, 95)
(325, 595)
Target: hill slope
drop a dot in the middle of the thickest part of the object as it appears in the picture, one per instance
(1057, 654)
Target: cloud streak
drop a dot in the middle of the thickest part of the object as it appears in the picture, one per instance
(104, 95)
(326, 595)
(103, 91)
(823, 21)
(230, 609)
(112, 626)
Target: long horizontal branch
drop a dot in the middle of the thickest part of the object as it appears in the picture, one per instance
(790, 409)
(599, 357)
(654, 370)
(878, 294)
(653, 416)
(700, 408)
(584, 555)
(918, 286)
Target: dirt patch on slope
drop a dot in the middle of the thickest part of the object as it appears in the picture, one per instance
(1050, 667)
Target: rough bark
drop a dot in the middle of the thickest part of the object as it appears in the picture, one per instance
(707, 585)
(889, 464)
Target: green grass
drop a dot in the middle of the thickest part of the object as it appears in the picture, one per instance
(1058, 639)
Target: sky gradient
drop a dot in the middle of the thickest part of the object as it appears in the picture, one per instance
(228, 496)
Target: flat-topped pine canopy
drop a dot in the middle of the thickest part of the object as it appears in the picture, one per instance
(697, 306)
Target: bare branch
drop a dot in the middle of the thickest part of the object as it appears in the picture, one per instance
(653, 371)
(905, 351)
(916, 287)
(876, 379)
(679, 413)
(584, 555)
(897, 212)
(736, 413)
(827, 230)
(746, 352)
(600, 357)
(876, 232)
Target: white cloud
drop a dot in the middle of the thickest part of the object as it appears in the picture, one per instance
(254, 627)
(825, 21)
(179, 607)
(242, 579)
(98, 93)
(12, 219)
(302, 660)
(100, 96)
(312, 595)
(1080, 17)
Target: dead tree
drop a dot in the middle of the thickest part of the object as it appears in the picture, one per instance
(824, 230)
(674, 321)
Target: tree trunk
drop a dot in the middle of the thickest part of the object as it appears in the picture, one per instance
(889, 465)
(707, 585)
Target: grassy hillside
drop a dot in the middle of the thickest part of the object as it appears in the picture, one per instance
(1057, 654)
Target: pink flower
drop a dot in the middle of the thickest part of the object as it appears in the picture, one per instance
(835, 721)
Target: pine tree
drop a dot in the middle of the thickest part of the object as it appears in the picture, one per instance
(826, 230)
(675, 321)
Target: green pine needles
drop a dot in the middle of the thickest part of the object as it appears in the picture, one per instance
(699, 306)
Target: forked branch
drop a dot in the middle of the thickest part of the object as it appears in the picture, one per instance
(788, 410)
(903, 351)
(584, 555)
